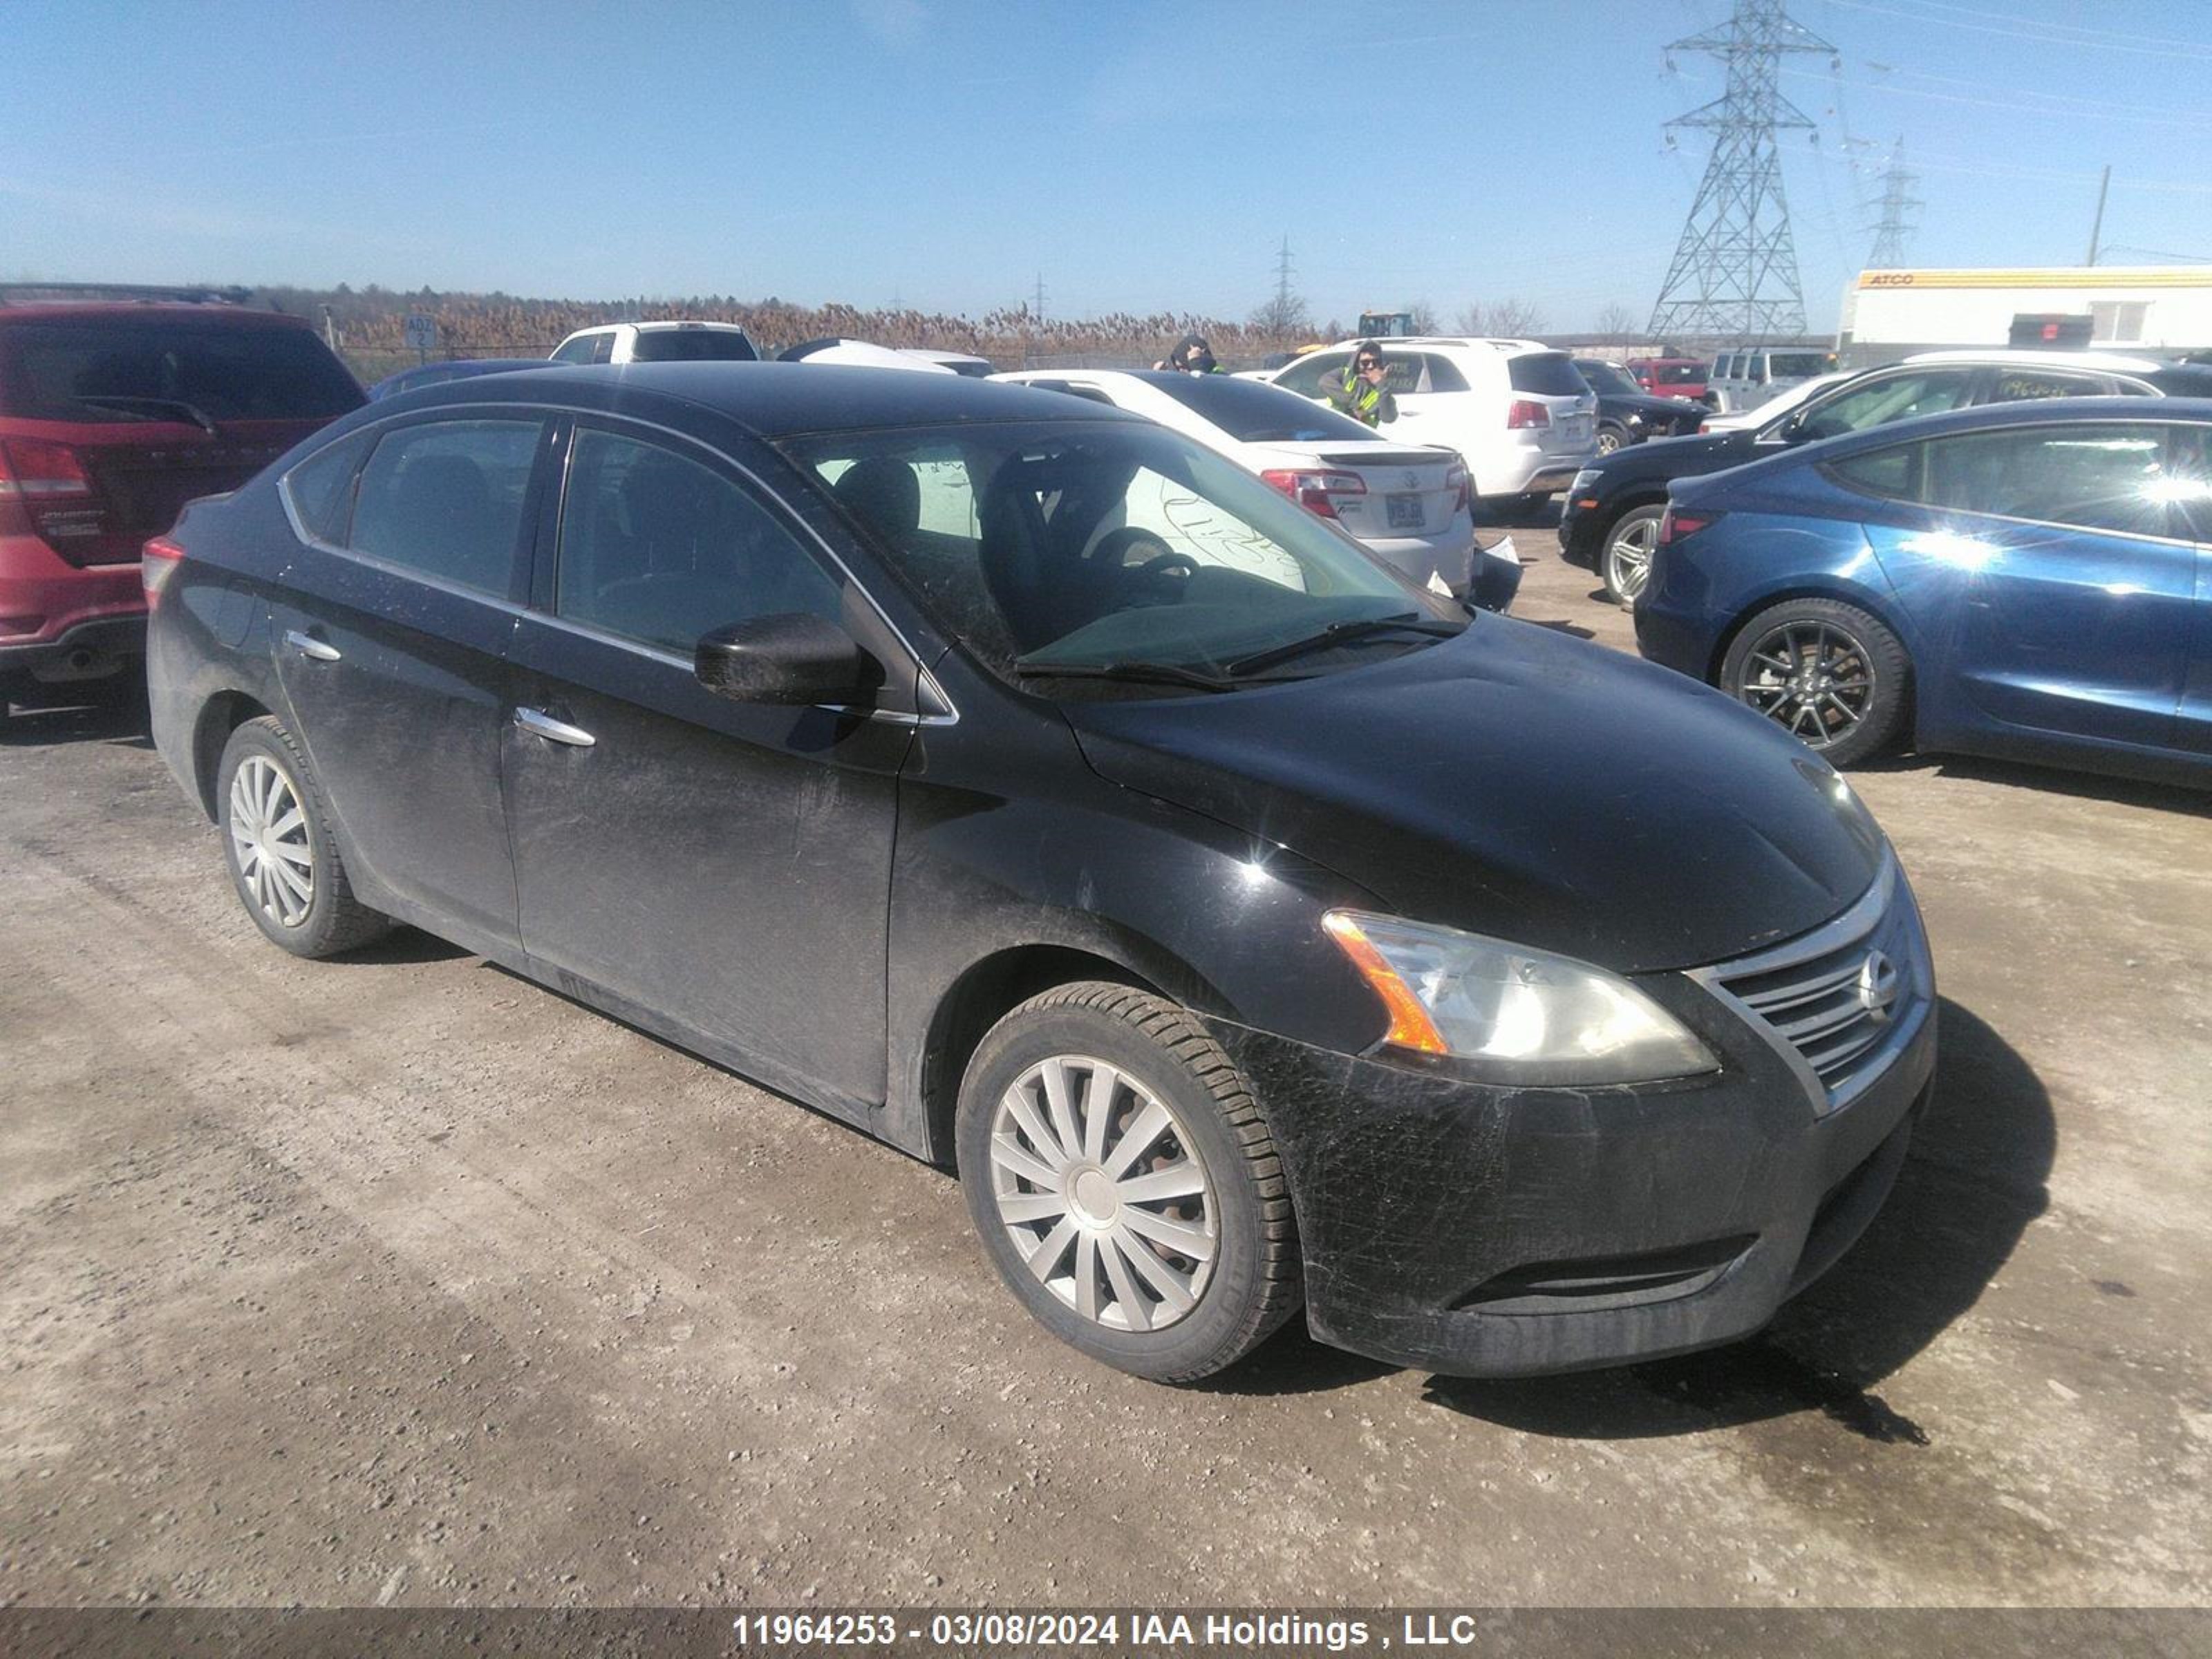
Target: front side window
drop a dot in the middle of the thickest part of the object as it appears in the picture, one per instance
(1894, 397)
(662, 548)
(2096, 477)
(578, 351)
(446, 498)
(1060, 554)
(1316, 369)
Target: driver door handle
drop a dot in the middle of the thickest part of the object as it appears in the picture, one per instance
(308, 646)
(540, 724)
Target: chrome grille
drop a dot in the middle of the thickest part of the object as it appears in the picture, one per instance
(1837, 996)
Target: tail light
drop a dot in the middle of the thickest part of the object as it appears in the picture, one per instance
(1676, 524)
(157, 564)
(47, 485)
(1704, 427)
(1456, 479)
(1316, 491)
(1525, 414)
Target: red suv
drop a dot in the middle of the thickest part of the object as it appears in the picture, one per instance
(1671, 377)
(112, 415)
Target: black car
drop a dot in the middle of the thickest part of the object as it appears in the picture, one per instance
(1627, 413)
(1033, 788)
(1611, 520)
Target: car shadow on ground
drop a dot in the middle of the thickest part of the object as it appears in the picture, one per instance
(1974, 1181)
(402, 947)
(119, 716)
(2051, 780)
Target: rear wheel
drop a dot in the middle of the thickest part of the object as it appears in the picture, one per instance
(1825, 672)
(277, 839)
(1124, 1185)
(1625, 561)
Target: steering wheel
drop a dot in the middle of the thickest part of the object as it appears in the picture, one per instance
(1113, 552)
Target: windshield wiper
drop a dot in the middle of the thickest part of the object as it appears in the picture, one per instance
(1161, 673)
(192, 413)
(1338, 633)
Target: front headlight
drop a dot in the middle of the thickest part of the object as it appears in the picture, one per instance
(1515, 1015)
(1582, 481)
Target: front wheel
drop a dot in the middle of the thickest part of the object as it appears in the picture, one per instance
(1124, 1184)
(1825, 672)
(1611, 438)
(277, 839)
(1625, 563)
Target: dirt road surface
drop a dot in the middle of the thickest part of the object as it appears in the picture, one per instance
(400, 1280)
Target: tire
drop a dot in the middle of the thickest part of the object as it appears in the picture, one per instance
(1856, 671)
(1624, 557)
(1611, 438)
(1151, 1311)
(276, 841)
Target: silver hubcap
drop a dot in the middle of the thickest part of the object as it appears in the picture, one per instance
(1606, 443)
(1630, 552)
(1103, 1194)
(1811, 679)
(268, 840)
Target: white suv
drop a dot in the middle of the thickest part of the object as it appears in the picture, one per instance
(1517, 411)
(658, 343)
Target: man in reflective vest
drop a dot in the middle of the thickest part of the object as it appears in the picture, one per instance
(1362, 394)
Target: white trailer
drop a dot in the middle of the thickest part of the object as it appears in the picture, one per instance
(2165, 310)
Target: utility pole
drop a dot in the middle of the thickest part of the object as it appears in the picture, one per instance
(2097, 228)
(1734, 273)
(1897, 203)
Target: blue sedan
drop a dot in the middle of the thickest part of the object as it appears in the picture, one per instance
(2030, 581)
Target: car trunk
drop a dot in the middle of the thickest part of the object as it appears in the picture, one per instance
(1408, 492)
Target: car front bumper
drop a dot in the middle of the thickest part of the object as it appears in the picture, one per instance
(1488, 1231)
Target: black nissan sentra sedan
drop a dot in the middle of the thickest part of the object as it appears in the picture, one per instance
(1029, 786)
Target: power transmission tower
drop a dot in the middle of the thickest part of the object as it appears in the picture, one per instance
(1283, 297)
(1039, 312)
(1736, 268)
(1896, 204)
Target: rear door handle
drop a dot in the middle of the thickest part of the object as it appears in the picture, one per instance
(540, 724)
(308, 645)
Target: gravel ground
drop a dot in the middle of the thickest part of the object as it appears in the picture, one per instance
(400, 1280)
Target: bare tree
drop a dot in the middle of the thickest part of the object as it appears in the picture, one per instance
(1617, 321)
(1507, 319)
(1424, 316)
(1283, 316)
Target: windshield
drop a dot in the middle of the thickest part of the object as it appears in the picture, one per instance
(1610, 378)
(1796, 365)
(1677, 375)
(1254, 413)
(1060, 553)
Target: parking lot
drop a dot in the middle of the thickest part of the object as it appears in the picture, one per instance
(399, 1279)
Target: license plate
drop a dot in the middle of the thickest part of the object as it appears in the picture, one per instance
(1404, 512)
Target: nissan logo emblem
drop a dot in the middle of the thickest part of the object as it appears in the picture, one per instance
(1879, 984)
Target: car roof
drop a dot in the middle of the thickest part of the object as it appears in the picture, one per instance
(2028, 411)
(1390, 343)
(2023, 355)
(772, 400)
(146, 311)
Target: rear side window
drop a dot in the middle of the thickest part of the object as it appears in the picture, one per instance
(1546, 374)
(2097, 476)
(127, 370)
(320, 488)
(659, 548)
(446, 498)
(692, 345)
(2018, 385)
(1444, 374)
(1892, 473)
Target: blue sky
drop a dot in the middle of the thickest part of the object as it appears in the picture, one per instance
(1139, 157)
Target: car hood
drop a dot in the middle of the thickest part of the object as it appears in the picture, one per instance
(1521, 784)
(1671, 457)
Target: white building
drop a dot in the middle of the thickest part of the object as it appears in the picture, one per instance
(2162, 309)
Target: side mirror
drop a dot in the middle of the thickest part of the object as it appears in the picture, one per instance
(793, 658)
